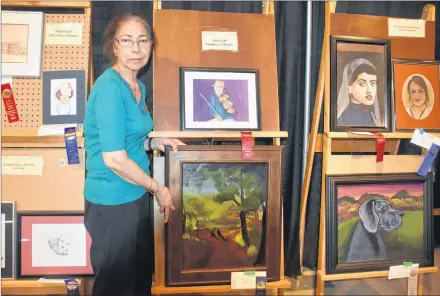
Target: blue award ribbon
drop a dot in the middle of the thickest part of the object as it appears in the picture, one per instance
(71, 145)
(428, 160)
(72, 287)
(260, 282)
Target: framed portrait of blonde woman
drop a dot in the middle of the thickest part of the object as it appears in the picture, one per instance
(416, 90)
(360, 90)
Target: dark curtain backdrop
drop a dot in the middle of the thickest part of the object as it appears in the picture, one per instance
(402, 9)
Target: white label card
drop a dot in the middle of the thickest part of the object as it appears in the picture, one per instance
(424, 139)
(406, 28)
(22, 165)
(245, 280)
(226, 41)
(64, 33)
(401, 271)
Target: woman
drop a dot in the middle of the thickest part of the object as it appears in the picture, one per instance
(357, 99)
(419, 105)
(117, 186)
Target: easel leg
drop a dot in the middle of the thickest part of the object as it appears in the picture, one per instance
(319, 285)
(280, 291)
(420, 285)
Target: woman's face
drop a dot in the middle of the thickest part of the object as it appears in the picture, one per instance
(132, 55)
(363, 90)
(417, 95)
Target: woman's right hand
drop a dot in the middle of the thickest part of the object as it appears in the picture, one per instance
(165, 201)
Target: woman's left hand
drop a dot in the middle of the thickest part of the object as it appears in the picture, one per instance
(160, 143)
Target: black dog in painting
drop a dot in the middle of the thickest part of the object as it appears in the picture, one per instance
(366, 242)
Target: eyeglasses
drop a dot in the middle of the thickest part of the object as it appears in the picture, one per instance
(143, 43)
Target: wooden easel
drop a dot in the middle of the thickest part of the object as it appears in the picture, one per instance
(159, 283)
(328, 142)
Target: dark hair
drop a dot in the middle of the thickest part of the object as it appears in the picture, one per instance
(115, 25)
(364, 68)
(420, 82)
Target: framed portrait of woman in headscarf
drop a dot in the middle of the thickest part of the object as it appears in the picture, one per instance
(416, 89)
(360, 91)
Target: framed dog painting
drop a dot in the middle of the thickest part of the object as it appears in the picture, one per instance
(53, 244)
(375, 221)
(417, 94)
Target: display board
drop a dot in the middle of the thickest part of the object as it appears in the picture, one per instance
(178, 43)
(28, 91)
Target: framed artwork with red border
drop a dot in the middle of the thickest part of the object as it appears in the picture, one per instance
(416, 89)
(53, 244)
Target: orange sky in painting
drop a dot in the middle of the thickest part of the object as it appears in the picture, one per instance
(389, 190)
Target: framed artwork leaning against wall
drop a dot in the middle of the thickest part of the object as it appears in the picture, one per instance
(228, 214)
(8, 240)
(375, 221)
(219, 99)
(416, 88)
(360, 78)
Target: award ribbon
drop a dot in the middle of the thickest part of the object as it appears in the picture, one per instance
(72, 287)
(428, 160)
(71, 145)
(9, 103)
(247, 146)
(380, 147)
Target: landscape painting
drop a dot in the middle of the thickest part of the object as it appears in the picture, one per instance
(381, 222)
(224, 207)
(227, 215)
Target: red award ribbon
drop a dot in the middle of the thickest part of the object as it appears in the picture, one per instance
(380, 147)
(9, 103)
(247, 145)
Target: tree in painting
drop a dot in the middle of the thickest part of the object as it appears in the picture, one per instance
(224, 206)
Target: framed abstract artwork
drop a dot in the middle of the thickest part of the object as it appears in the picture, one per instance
(374, 221)
(64, 96)
(228, 214)
(53, 244)
(8, 240)
(360, 91)
(219, 99)
(416, 88)
(22, 43)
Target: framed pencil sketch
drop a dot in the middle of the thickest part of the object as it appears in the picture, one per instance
(64, 96)
(374, 221)
(219, 99)
(22, 43)
(8, 240)
(360, 91)
(228, 214)
(53, 244)
(416, 88)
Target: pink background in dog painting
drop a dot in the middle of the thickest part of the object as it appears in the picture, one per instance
(389, 190)
(26, 247)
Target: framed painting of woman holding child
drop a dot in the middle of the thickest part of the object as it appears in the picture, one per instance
(360, 84)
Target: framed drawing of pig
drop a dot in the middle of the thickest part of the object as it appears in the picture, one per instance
(374, 221)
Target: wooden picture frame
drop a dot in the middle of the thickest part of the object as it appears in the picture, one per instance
(366, 215)
(219, 99)
(242, 235)
(8, 239)
(360, 95)
(60, 240)
(22, 43)
(424, 76)
(64, 97)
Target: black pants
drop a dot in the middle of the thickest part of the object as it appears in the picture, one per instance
(122, 253)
